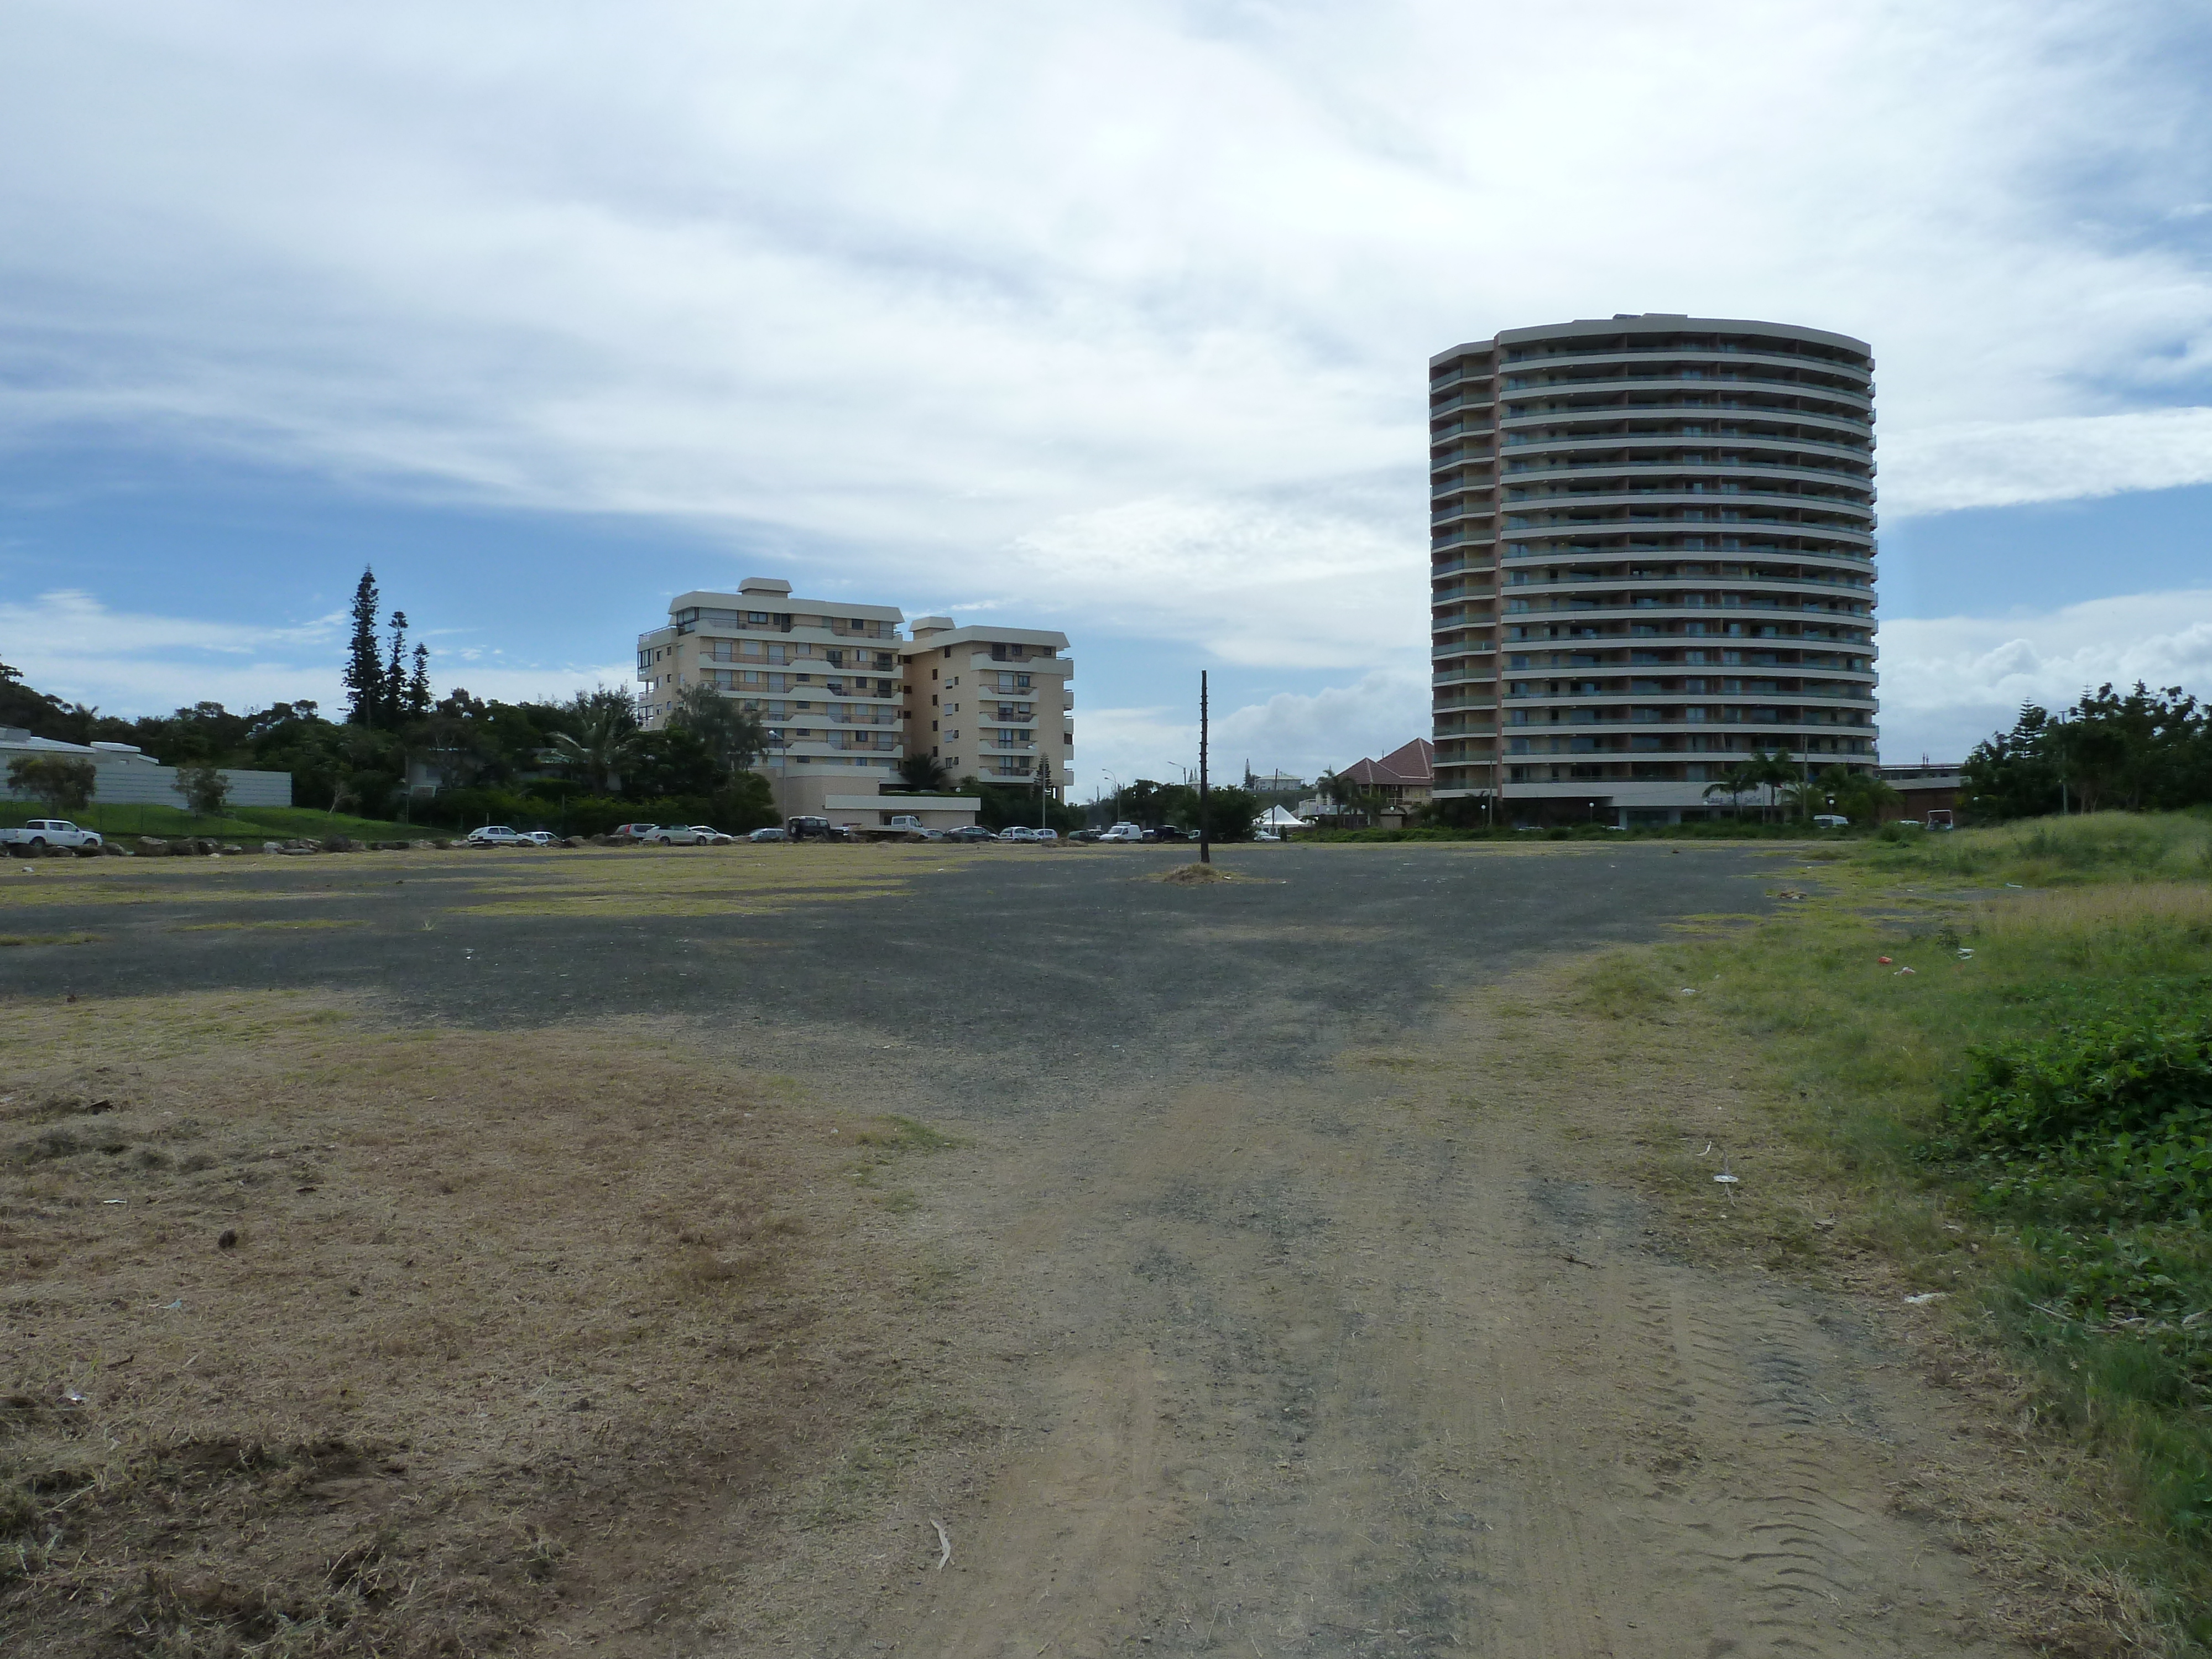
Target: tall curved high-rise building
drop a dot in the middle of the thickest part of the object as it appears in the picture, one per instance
(1652, 556)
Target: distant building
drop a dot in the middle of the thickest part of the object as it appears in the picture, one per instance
(1651, 553)
(1402, 779)
(1922, 789)
(845, 697)
(127, 776)
(991, 701)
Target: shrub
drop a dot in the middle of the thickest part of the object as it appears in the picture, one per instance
(64, 784)
(2107, 1115)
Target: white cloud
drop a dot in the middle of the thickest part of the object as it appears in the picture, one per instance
(69, 645)
(1115, 316)
(1949, 682)
(1996, 463)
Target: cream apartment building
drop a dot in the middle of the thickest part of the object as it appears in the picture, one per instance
(991, 701)
(842, 694)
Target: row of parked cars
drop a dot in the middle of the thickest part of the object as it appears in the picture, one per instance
(816, 829)
(658, 834)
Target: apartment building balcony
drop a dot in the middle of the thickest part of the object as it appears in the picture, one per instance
(1639, 379)
(1603, 610)
(1479, 398)
(1481, 671)
(1544, 467)
(1598, 423)
(1713, 367)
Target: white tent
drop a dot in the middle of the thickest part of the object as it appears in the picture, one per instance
(1277, 817)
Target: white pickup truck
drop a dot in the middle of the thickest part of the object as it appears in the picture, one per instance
(43, 833)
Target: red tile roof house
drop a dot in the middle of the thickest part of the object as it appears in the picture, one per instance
(1404, 779)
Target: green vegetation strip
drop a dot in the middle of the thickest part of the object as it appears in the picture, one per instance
(2013, 1028)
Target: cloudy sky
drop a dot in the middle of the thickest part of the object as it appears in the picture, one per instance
(1112, 319)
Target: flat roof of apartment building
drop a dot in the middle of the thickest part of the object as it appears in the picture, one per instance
(931, 632)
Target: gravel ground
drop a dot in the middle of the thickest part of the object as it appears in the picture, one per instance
(990, 951)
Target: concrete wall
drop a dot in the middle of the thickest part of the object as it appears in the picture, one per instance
(140, 784)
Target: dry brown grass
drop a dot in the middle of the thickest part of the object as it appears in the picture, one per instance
(609, 881)
(328, 1338)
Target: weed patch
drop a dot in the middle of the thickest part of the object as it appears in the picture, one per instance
(1995, 1049)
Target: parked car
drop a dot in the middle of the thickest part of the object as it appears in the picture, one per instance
(1165, 832)
(769, 834)
(1048, 834)
(496, 834)
(1085, 835)
(972, 832)
(1124, 834)
(540, 837)
(1264, 834)
(51, 832)
(632, 831)
(1831, 821)
(805, 827)
(710, 836)
(673, 834)
(1019, 832)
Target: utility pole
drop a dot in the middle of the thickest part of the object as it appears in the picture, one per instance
(1205, 839)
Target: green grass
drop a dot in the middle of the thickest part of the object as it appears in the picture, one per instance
(240, 823)
(2019, 1118)
(2100, 847)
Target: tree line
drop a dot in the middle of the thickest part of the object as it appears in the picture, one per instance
(2138, 751)
(583, 762)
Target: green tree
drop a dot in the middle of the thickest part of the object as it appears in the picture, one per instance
(671, 762)
(204, 787)
(418, 685)
(395, 673)
(732, 733)
(602, 740)
(364, 676)
(1230, 811)
(745, 802)
(63, 782)
(2138, 749)
(44, 715)
(1351, 796)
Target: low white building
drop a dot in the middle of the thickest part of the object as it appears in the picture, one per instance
(127, 776)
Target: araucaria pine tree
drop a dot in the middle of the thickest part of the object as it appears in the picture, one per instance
(395, 673)
(418, 685)
(365, 681)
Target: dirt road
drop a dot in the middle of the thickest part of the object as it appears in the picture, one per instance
(1357, 1363)
(1285, 1290)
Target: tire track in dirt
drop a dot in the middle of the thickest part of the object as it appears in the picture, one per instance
(1341, 1370)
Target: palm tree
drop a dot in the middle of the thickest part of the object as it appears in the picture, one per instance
(1774, 771)
(924, 772)
(1347, 793)
(605, 742)
(1735, 783)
